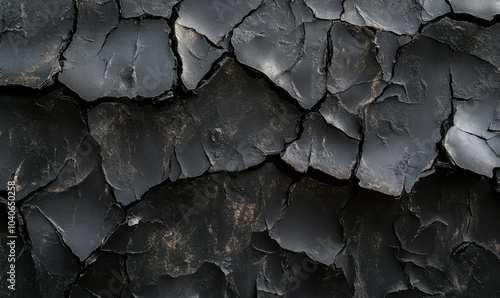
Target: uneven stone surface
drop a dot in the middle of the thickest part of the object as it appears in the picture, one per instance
(400, 17)
(32, 36)
(121, 58)
(29, 157)
(263, 148)
(131, 9)
(400, 145)
(486, 9)
(191, 137)
(291, 52)
(197, 55)
(214, 18)
(322, 147)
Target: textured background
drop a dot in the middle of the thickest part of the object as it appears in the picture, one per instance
(259, 148)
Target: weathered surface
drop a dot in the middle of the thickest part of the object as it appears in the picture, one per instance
(354, 73)
(468, 37)
(470, 143)
(119, 59)
(322, 147)
(400, 145)
(80, 191)
(287, 47)
(400, 17)
(32, 35)
(37, 137)
(188, 138)
(262, 148)
(214, 18)
(485, 9)
(197, 55)
(173, 243)
(311, 222)
(134, 8)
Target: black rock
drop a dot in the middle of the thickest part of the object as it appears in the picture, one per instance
(322, 147)
(120, 58)
(188, 138)
(37, 137)
(33, 34)
(400, 144)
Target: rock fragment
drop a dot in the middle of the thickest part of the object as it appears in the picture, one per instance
(197, 55)
(400, 145)
(37, 137)
(121, 58)
(188, 138)
(287, 47)
(322, 147)
(214, 18)
(486, 9)
(311, 222)
(32, 35)
(134, 9)
(78, 193)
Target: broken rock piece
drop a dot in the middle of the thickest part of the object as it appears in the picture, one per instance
(387, 45)
(468, 37)
(353, 69)
(322, 147)
(446, 231)
(214, 18)
(400, 145)
(133, 8)
(188, 138)
(37, 137)
(325, 9)
(54, 263)
(197, 55)
(470, 142)
(184, 224)
(80, 190)
(311, 221)
(368, 260)
(485, 9)
(334, 113)
(32, 34)
(275, 40)
(119, 59)
(104, 276)
(471, 152)
(432, 9)
(400, 17)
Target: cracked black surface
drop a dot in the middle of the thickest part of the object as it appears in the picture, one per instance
(264, 148)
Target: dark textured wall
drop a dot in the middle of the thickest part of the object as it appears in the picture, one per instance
(260, 148)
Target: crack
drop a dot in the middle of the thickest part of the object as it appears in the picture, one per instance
(115, 27)
(67, 41)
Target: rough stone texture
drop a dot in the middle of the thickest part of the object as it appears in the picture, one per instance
(267, 148)
(134, 8)
(486, 9)
(290, 51)
(400, 145)
(121, 58)
(322, 147)
(32, 35)
(469, 38)
(400, 17)
(353, 72)
(191, 137)
(29, 157)
(197, 55)
(471, 143)
(214, 18)
(79, 190)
